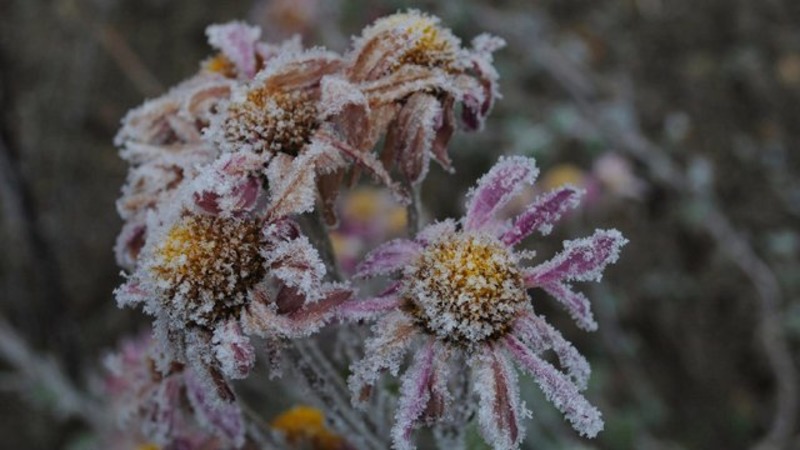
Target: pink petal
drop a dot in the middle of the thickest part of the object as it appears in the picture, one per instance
(540, 336)
(368, 308)
(496, 188)
(581, 260)
(415, 392)
(384, 351)
(219, 416)
(558, 389)
(237, 41)
(233, 350)
(500, 410)
(388, 258)
(576, 303)
(542, 214)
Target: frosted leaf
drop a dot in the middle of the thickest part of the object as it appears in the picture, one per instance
(337, 94)
(233, 350)
(222, 418)
(297, 264)
(236, 40)
(291, 184)
(581, 260)
(558, 389)
(388, 258)
(540, 336)
(391, 339)
(542, 214)
(415, 392)
(500, 411)
(495, 189)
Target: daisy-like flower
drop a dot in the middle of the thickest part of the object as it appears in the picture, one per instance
(461, 294)
(226, 262)
(413, 72)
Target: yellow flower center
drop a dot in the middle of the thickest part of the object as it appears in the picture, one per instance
(465, 289)
(274, 120)
(432, 45)
(206, 266)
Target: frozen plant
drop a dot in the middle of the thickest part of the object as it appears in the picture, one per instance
(461, 291)
(229, 210)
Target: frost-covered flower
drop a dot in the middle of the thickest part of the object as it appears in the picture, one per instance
(461, 293)
(412, 73)
(163, 140)
(283, 111)
(153, 409)
(224, 262)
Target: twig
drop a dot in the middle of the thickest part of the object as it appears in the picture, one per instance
(70, 401)
(413, 208)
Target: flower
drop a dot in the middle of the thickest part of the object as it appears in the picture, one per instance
(306, 425)
(225, 261)
(413, 72)
(461, 293)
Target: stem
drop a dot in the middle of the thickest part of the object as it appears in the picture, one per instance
(413, 208)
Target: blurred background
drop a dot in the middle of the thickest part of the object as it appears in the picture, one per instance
(679, 117)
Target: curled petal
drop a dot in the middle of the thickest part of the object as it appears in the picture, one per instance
(496, 188)
(542, 214)
(237, 41)
(478, 103)
(393, 335)
(576, 303)
(581, 260)
(388, 258)
(500, 413)
(297, 264)
(540, 336)
(233, 350)
(558, 389)
(415, 392)
(412, 135)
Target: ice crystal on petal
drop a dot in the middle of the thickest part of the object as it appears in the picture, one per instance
(501, 411)
(496, 188)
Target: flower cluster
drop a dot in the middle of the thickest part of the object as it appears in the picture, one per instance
(224, 167)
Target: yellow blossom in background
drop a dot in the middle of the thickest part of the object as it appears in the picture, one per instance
(306, 425)
(562, 174)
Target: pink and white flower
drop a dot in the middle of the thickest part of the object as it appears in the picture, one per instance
(460, 292)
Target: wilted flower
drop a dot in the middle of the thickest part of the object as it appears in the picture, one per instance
(413, 72)
(462, 292)
(155, 409)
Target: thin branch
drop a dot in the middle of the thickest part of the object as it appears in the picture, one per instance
(70, 401)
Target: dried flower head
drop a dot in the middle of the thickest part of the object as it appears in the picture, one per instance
(461, 292)
(413, 72)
